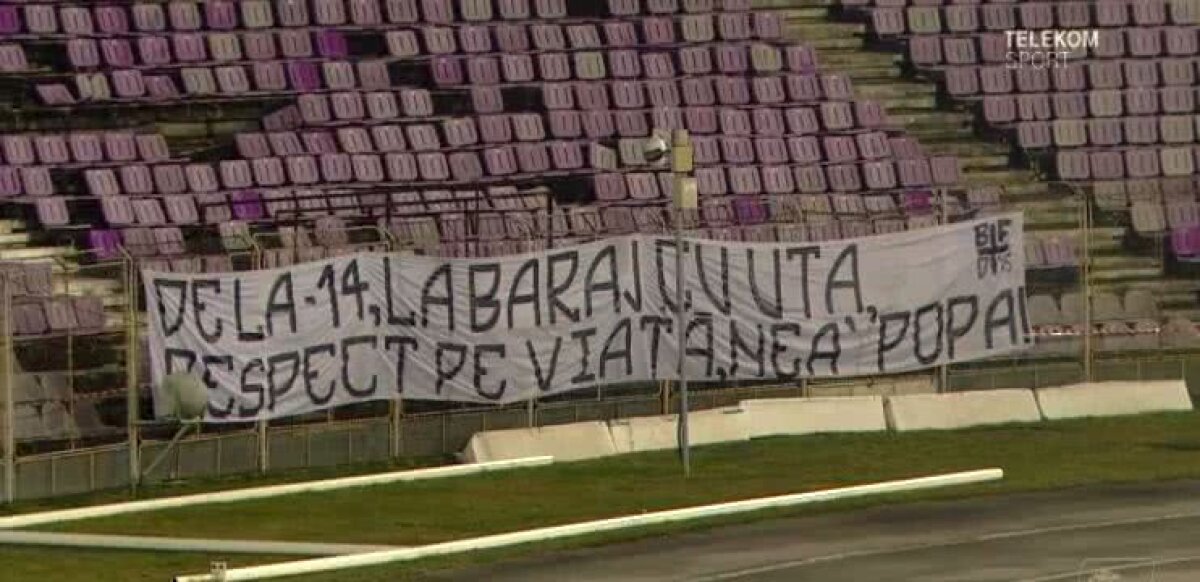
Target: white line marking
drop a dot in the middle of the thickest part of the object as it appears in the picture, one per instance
(983, 538)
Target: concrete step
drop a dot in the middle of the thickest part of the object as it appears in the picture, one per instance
(1126, 275)
(982, 162)
(837, 59)
(1124, 262)
(31, 253)
(1003, 177)
(907, 103)
(869, 74)
(1188, 314)
(894, 90)
(918, 119)
(966, 148)
(813, 31)
(821, 44)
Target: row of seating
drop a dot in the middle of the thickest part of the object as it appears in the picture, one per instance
(970, 80)
(889, 18)
(91, 148)
(47, 19)
(1109, 131)
(996, 48)
(1114, 163)
(999, 110)
(82, 314)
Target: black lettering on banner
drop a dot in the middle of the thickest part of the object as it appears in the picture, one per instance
(485, 301)
(170, 327)
(1024, 313)
(723, 303)
(402, 343)
(805, 253)
(171, 355)
(243, 335)
(656, 324)
(585, 376)
(480, 371)
(393, 319)
(313, 372)
(326, 281)
(274, 363)
(624, 351)
(770, 309)
(352, 284)
(832, 352)
(847, 259)
(992, 321)
(444, 373)
(531, 270)
(348, 343)
(198, 308)
(282, 285)
(666, 289)
(545, 378)
(957, 326)
(778, 348)
(591, 286)
(210, 382)
(253, 389)
(887, 344)
(936, 309)
(556, 288)
(704, 321)
(739, 346)
(446, 300)
(635, 301)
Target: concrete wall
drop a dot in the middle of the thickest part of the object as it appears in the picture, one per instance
(961, 409)
(796, 416)
(1113, 398)
(564, 442)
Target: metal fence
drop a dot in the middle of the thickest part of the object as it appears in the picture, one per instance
(108, 446)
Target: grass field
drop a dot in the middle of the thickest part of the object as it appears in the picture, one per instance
(1034, 457)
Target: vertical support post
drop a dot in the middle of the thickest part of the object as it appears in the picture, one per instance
(131, 370)
(943, 377)
(260, 433)
(395, 427)
(10, 416)
(684, 189)
(530, 414)
(1085, 279)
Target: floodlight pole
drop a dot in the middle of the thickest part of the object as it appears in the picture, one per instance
(684, 190)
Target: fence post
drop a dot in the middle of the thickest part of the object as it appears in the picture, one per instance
(131, 370)
(1085, 276)
(10, 416)
(260, 431)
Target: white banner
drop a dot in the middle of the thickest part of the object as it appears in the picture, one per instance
(376, 326)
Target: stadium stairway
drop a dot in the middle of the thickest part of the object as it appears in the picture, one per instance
(879, 72)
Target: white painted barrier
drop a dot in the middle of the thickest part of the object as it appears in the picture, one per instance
(796, 416)
(591, 527)
(564, 442)
(644, 433)
(1113, 398)
(656, 433)
(961, 409)
(79, 513)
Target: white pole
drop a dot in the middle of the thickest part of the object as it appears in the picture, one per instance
(62, 515)
(592, 527)
(681, 166)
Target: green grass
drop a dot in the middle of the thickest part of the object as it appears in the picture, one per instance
(1034, 457)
